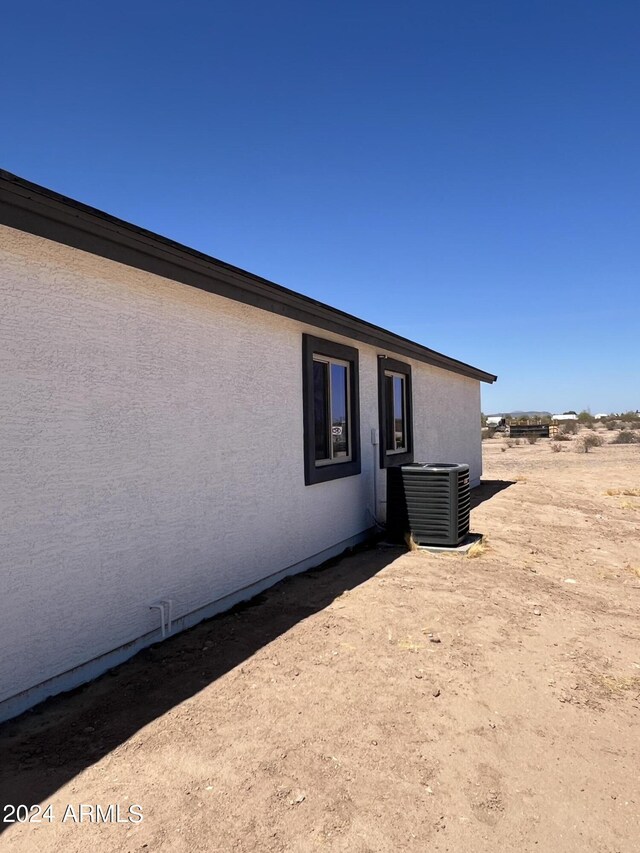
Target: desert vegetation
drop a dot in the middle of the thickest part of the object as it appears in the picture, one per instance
(626, 436)
(588, 441)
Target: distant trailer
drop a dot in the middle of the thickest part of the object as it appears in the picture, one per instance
(564, 417)
(498, 424)
(524, 430)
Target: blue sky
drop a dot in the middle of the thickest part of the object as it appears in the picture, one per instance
(463, 173)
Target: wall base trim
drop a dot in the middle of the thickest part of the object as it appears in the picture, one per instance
(91, 669)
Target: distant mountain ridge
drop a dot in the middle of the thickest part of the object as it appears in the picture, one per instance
(519, 414)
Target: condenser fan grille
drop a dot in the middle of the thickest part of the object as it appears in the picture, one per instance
(431, 501)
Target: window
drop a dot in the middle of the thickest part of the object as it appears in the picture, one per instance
(395, 409)
(331, 421)
(331, 407)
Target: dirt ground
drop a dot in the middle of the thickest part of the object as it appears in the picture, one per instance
(324, 717)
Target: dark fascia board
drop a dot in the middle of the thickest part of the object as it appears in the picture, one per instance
(36, 210)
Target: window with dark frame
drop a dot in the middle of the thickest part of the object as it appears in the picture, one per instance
(395, 410)
(331, 411)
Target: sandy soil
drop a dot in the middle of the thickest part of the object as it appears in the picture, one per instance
(323, 717)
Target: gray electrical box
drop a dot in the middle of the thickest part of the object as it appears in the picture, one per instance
(429, 500)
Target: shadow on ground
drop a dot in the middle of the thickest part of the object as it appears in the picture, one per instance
(46, 747)
(487, 490)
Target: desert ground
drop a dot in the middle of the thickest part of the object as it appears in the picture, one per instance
(389, 701)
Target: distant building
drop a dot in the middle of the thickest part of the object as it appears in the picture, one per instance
(495, 421)
(601, 415)
(564, 417)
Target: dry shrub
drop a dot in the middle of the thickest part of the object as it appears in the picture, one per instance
(412, 545)
(409, 645)
(555, 448)
(532, 438)
(561, 436)
(569, 428)
(616, 684)
(625, 437)
(588, 441)
(634, 493)
(478, 548)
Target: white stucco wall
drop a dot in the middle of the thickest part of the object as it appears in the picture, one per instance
(151, 447)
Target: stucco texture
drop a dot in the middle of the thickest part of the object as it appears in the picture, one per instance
(152, 447)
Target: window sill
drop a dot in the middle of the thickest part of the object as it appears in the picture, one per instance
(332, 471)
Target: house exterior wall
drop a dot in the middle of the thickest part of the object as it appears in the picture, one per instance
(152, 448)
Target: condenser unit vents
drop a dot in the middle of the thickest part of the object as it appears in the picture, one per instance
(429, 500)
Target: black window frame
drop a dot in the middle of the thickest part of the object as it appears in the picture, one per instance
(388, 458)
(321, 473)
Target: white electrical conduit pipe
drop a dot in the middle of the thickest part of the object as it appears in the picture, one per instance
(166, 614)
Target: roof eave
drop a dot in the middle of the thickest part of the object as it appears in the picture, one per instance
(40, 211)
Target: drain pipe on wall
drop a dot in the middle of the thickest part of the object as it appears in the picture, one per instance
(374, 474)
(160, 606)
(166, 614)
